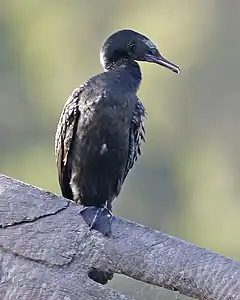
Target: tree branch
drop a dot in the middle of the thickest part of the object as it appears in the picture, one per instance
(46, 250)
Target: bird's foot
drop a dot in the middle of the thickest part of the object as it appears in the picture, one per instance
(98, 218)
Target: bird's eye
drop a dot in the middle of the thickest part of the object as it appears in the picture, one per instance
(131, 47)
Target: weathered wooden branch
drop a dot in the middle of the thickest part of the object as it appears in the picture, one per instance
(46, 251)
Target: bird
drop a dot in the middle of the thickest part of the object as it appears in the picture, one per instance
(101, 129)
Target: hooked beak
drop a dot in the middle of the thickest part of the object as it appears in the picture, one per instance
(163, 62)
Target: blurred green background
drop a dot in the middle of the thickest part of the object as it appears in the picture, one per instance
(187, 181)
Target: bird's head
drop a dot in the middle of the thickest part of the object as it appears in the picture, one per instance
(130, 45)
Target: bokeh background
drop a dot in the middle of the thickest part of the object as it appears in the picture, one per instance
(187, 182)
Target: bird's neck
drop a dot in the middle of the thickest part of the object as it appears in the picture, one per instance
(130, 68)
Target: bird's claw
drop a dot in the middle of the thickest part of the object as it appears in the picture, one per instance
(98, 218)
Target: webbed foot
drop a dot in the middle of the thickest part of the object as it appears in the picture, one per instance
(98, 218)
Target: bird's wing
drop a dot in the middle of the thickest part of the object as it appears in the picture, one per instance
(64, 135)
(136, 136)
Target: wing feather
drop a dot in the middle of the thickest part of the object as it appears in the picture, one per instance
(136, 136)
(65, 132)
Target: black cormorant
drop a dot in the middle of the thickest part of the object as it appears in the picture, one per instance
(100, 130)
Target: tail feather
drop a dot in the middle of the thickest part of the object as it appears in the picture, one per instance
(100, 276)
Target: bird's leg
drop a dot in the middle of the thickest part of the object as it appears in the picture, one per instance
(97, 215)
(98, 218)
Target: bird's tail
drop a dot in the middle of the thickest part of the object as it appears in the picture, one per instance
(100, 276)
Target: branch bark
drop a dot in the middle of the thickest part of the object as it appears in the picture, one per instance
(46, 250)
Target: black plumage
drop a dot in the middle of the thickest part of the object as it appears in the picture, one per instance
(100, 130)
